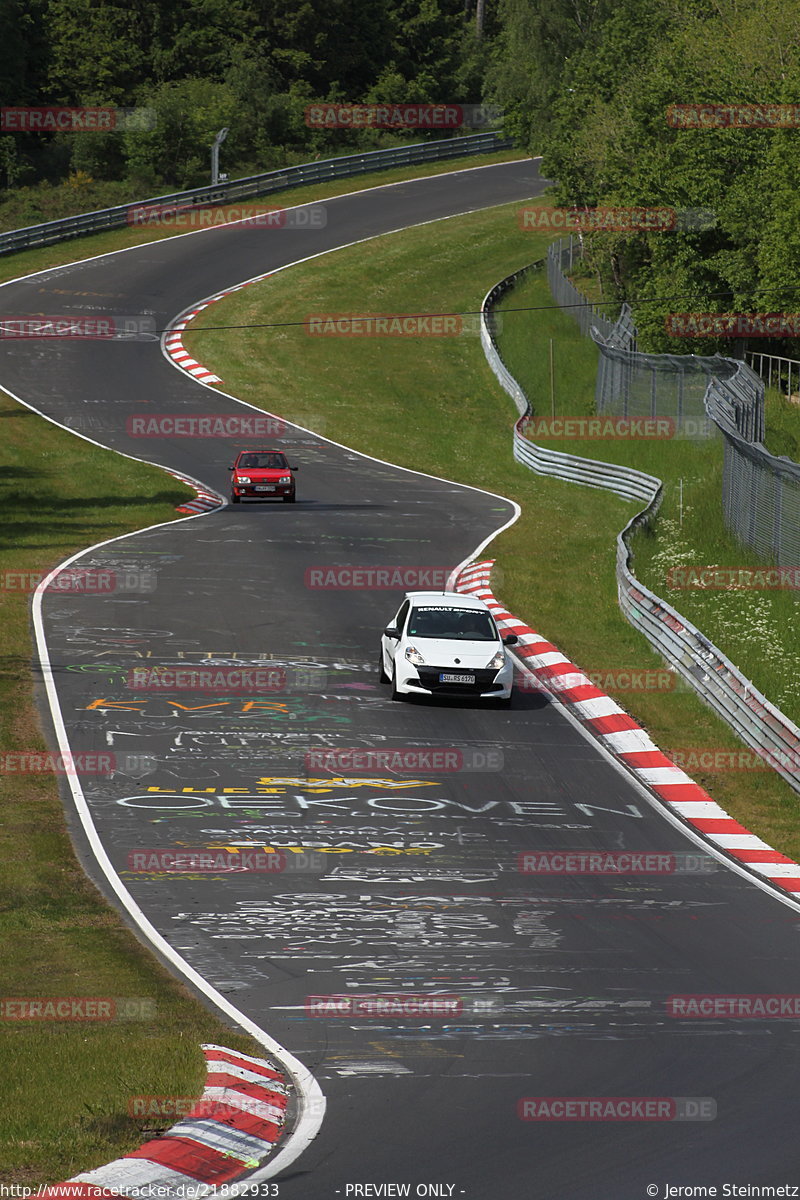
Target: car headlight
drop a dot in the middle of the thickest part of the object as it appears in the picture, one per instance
(413, 655)
(242, 478)
(285, 479)
(499, 660)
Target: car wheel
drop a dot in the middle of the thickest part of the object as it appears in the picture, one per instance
(289, 499)
(235, 499)
(382, 676)
(503, 702)
(395, 694)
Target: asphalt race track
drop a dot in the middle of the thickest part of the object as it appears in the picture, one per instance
(390, 883)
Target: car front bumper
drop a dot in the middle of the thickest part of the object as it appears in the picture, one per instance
(253, 492)
(425, 681)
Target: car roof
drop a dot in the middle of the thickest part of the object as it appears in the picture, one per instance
(452, 599)
(260, 450)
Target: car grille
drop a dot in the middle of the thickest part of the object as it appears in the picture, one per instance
(484, 680)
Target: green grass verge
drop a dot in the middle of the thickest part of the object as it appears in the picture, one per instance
(66, 1086)
(782, 420)
(25, 262)
(433, 404)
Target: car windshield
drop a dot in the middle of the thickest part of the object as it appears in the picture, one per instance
(452, 624)
(262, 462)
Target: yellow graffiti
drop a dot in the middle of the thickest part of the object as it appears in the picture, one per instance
(324, 849)
(260, 788)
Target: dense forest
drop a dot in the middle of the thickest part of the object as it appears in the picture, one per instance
(587, 83)
(590, 83)
(253, 66)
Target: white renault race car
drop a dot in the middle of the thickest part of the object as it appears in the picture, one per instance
(446, 644)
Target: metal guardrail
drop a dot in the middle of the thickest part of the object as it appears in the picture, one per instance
(254, 185)
(624, 482)
(762, 726)
(627, 483)
(776, 371)
(699, 662)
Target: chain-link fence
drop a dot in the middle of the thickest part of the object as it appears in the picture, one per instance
(706, 397)
(736, 405)
(760, 492)
(561, 256)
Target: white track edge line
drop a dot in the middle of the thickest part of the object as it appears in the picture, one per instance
(310, 1095)
(223, 225)
(308, 1090)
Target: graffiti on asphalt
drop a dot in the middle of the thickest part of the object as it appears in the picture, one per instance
(292, 709)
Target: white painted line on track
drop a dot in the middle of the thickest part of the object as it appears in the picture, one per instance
(311, 1100)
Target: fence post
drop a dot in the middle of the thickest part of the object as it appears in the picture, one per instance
(777, 520)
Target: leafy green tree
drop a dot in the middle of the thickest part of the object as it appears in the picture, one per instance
(529, 61)
(177, 152)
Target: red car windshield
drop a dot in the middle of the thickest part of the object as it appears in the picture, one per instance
(261, 462)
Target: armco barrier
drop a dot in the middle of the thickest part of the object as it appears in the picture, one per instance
(232, 1129)
(629, 484)
(733, 697)
(620, 735)
(256, 185)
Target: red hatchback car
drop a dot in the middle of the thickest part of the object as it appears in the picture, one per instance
(262, 475)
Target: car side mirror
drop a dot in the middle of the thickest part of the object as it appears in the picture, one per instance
(294, 468)
(230, 468)
(392, 631)
(509, 639)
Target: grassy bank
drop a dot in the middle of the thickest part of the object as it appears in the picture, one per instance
(67, 1085)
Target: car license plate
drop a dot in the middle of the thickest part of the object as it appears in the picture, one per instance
(264, 488)
(456, 677)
